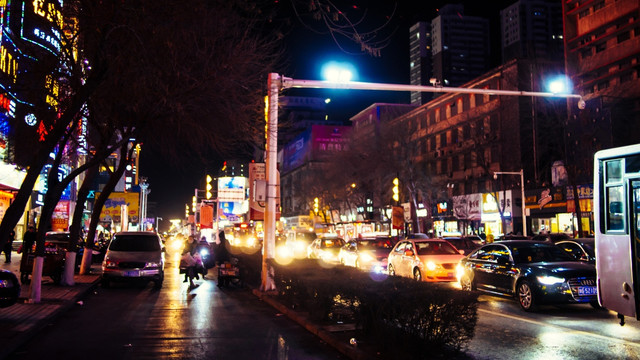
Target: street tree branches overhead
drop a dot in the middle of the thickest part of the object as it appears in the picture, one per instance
(189, 77)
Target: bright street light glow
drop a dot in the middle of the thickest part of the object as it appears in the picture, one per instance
(338, 72)
(559, 85)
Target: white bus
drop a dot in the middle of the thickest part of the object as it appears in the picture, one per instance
(617, 229)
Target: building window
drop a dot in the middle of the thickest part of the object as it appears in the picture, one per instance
(624, 36)
(443, 139)
(454, 136)
(603, 85)
(601, 47)
(466, 132)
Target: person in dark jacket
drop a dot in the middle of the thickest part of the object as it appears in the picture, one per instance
(222, 256)
(8, 247)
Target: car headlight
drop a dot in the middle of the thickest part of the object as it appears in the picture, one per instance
(431, 265)
(366, 258)
(550, 280)
(299, 246)
(204, 252)
(152, 264)
(459, 271)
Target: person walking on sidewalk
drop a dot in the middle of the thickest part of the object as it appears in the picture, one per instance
(8, 247)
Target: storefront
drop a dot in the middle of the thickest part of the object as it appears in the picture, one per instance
(585, 201)
(443, 219)
(497, 214)
(547, 209)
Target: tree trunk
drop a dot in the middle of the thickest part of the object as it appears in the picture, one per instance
(76, 224)
(69, 269)
(36, 280)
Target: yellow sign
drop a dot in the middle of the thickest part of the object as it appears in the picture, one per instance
(113, 206)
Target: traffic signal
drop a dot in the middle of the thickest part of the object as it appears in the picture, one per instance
(396, 191)
(208, 187)
(193, 203)
(316, 205)
(186, 210)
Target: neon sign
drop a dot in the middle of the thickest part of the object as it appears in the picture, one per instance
(8, 63)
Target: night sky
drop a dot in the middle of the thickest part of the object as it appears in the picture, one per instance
(172, 186)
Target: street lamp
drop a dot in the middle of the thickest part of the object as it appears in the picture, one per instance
(276, 82)
(524, 210)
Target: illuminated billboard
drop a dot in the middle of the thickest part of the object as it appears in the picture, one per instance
(232, 189)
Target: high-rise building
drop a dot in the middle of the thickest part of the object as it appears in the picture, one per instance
(532, 29)
(420, 60)
(460, 46)
(602, 51)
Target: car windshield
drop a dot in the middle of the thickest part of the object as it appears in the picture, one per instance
(435, 248)
(57, 237)
(332, 243)
(457, 242)
(374, 244)
(135, 243)
(539, 253)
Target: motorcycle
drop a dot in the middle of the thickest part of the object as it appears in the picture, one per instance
(206, 255)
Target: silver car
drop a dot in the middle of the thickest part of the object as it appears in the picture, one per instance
(134, 255)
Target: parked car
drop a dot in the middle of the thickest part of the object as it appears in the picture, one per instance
(534, 272)
(464, 243)
(9, 288)
(55, 250)
(134, 256)
(326, 248)
(582, 249)
(424, 260)
(367, 253)
(553, 237)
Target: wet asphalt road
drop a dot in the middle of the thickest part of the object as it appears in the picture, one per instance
(133, 321)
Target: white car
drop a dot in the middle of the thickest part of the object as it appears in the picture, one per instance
(134, 255)
(424, 260)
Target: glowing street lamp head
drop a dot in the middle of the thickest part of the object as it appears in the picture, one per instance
(338, 72)
(559, 85)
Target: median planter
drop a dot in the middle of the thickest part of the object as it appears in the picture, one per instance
(400, 316)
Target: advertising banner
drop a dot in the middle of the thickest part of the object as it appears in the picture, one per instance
(397, 217)
(111, 211)
(232, 188)
(60, 217)
(467, 207)
(206, 217)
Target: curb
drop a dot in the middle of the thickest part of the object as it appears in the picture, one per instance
(350, 351)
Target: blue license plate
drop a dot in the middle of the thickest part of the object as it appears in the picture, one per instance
(132, 273)
(587, 290)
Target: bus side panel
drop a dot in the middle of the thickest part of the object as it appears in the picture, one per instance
(613, 264)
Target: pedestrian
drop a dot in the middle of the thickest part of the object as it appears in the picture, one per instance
(28, 240)
(8, 247)
(222, 256)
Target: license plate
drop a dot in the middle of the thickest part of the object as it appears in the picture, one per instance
(450, 275)
(132, 273)
(587, 290)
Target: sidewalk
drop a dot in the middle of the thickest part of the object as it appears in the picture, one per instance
(23, 320)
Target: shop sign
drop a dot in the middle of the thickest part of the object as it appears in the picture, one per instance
(546, 200)
(584, 192)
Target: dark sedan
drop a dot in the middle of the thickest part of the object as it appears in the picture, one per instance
(580, 249)
(534, 272)
(465, 243)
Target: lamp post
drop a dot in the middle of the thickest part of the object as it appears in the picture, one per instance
(276, 82)
(524, 210)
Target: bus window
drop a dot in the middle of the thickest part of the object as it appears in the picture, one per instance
(614, 171)
(615, 216)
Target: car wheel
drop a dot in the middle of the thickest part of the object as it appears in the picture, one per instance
(157, 284)
(525, 296)
(467, 284)
(392, 270)
(105, 283)
(417, 275)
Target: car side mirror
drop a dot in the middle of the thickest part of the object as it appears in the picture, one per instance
(408, 253)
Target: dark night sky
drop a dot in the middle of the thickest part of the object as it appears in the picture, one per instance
(172, 186)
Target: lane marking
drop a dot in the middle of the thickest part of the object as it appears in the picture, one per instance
(565, 329)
